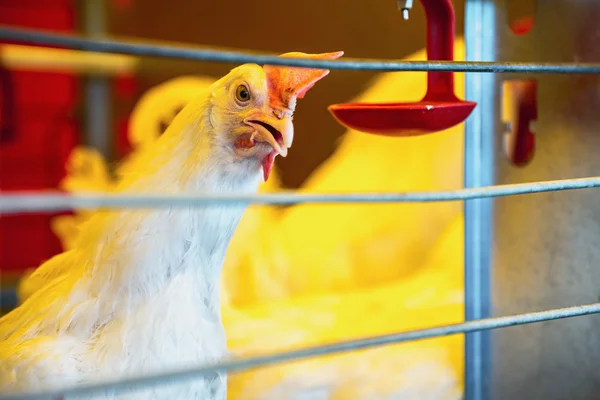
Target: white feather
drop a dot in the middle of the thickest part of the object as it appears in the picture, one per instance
(141, 294)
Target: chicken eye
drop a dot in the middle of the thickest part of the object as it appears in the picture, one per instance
(242, 93)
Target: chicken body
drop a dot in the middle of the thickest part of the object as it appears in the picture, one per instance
(139, 292)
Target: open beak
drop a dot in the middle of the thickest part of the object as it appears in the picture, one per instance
(279, 133)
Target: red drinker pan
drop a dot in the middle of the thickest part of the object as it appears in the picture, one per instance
(440, 109)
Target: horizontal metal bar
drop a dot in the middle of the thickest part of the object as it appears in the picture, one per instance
(315, 351)
(27, 202)
(38, 37)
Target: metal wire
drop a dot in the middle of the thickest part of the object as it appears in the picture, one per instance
(12, 203)
(314, 351)
(239, 57)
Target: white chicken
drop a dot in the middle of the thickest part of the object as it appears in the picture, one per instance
(402, 271)
(140, 293)
(88, 171)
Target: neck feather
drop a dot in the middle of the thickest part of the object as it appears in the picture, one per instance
(136, 252)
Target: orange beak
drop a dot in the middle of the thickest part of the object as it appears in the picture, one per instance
(278, 133)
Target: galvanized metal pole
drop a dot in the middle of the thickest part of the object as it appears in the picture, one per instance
(97, 90)
(479, 148)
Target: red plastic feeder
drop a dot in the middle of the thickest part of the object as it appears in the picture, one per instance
(440, 109)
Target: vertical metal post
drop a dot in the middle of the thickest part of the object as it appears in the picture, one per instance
(479, 167)
(97, 90)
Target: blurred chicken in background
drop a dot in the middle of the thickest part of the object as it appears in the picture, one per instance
(335, 272)
(349, 271)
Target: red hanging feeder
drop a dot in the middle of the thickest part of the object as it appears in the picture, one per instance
(440, 109)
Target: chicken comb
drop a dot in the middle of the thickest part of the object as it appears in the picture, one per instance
(289, 83)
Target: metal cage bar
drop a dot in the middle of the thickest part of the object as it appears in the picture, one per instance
(38, 37)
(478, 171)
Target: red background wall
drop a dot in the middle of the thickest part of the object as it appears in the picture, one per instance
(40, 123)
(40, 127)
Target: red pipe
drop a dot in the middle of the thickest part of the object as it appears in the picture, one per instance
(440, 47)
